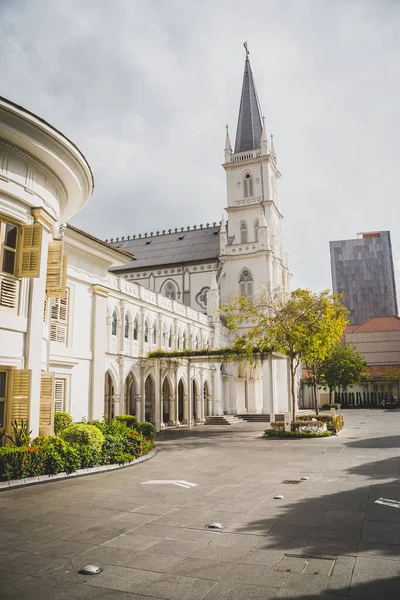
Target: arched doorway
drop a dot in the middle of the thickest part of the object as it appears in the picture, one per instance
(166, 394)
(108, 396)
(181, 400)
(130, 395)
(149, 394)
(206, 396)
(195, 397)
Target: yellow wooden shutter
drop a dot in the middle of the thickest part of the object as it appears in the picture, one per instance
(28, 256)
(20, 392)
(56, 276)
(46, 414)
(59, 319)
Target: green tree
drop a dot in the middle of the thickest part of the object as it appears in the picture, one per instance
(343, 366)
(302, 324)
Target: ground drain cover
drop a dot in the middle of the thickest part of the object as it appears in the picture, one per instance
(291, 481)
(306, 565)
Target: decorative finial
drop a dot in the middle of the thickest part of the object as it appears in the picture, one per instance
(247, 50)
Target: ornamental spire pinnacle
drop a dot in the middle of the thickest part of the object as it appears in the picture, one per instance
(249, 129)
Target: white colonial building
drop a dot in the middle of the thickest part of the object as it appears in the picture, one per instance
(78, 316)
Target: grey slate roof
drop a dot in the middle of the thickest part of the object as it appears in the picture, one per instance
(249, 129)
(171, 248)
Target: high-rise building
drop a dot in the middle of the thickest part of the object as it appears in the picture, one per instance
(362, 270)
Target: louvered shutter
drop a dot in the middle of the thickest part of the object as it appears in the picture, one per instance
(8, 292)
(28, 256)
(46, 414)
(56, 276)
(59, 395)
(59, 319)
(45, 309)
(20, 387)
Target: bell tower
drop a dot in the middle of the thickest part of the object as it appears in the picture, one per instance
(251, 243)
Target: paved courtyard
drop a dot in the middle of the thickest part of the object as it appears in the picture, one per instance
(326, 538)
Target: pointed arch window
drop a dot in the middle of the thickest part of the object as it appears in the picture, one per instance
(154, 333)
(248, 186)
(135, 329)
(246, 283)
(184, 341)
(126, 332)
(170, 290)
(243, 233)
(114, 324)
(256, 226)
(146, 332)
(170, 338)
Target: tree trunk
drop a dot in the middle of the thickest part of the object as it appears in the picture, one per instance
(330, 395)
(292, 375)
(315, 390)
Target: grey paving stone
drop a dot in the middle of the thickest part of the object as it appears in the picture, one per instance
(124, 579)
(7, 578)
(35, 588)
(238, 591)
(374, 579)
(202, 568)
(87, 592)
(177, 587)
(177, 547)
(64, 548)
(29, 563)
(132, 541)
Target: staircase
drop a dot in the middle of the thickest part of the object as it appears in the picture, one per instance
(257, 418)
(223, 420)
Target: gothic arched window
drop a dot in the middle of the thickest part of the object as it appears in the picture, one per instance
(146, 332)
(184, 341)
(170, 291)
(256, 226)
(246, 283)
(114, 324)
(170, 338)
(126, 332)
(248, 186)
(135, 329)
(243, 233)
(154, 333)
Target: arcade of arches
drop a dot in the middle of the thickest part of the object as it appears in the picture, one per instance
(166, 401)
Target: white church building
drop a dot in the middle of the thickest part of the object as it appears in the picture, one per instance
(78, 315)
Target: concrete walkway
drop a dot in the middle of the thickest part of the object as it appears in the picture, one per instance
(326, 538)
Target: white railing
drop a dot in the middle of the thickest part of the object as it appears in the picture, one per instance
(249, 155)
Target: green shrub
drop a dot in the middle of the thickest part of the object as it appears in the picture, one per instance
(130, 420)
(19, 462)
(328, 406)
(62, 420)
(84, 435)
(20, 436)
(147, 430)
(57, 456)
(278, 425)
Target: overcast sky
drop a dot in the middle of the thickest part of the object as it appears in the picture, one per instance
(145, 88)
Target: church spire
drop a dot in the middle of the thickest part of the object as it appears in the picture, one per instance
(249, 129)
(228, 147)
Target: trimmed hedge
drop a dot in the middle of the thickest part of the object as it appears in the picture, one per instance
(147, 430)
(296, 434)
(130, 420)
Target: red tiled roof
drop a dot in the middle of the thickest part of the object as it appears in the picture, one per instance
(92, 237)
(383, 370)
(376, 324)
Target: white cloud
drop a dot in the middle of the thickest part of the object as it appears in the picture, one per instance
(145, 90)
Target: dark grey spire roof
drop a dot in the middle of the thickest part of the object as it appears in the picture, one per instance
(249, 129)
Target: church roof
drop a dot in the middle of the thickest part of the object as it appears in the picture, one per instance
(175, 247)
(249, 129)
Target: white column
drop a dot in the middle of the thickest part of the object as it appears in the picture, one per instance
(34, 335)
(158, 396)
(122, 328)
(99, 331)
(141, 406)
(119, 399)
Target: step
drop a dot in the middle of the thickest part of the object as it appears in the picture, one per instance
(223, 420)
(256, 417)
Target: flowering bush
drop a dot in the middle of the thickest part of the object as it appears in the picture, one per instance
(79, 445)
